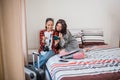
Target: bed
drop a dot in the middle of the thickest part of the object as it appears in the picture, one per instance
(99, 64)
(102, 62)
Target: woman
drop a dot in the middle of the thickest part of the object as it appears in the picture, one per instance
(48, 46)
(67, 41)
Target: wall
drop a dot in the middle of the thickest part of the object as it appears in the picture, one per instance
(12, 31)
(100, 14)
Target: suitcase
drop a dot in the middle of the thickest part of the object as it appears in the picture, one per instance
(33, 73)
(29, 74)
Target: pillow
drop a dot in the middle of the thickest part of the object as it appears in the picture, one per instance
(100, 38)
(93, 32)
(92, 43)
(92, 37)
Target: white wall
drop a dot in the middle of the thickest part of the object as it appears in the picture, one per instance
(101, 14)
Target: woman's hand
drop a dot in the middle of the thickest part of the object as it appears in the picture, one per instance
(56, 42)
(60, 35)
(44, 38)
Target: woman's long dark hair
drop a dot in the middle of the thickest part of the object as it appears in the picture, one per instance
(64, 26)
(48, 19)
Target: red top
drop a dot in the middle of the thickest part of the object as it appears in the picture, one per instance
(54, 48)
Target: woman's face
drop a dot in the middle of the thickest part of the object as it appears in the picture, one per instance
(59, 27)
(49, 25)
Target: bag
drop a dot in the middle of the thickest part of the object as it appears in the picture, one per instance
(33, 73)
(29, 74)
(75, 54)
(63, 53)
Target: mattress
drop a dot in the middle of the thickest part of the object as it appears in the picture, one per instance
(103, 64)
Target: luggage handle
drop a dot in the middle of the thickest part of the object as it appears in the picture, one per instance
(33, 55)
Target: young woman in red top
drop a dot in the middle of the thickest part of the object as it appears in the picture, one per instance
(48, 46)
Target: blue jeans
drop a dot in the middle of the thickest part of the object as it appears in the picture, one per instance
(44, 58)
